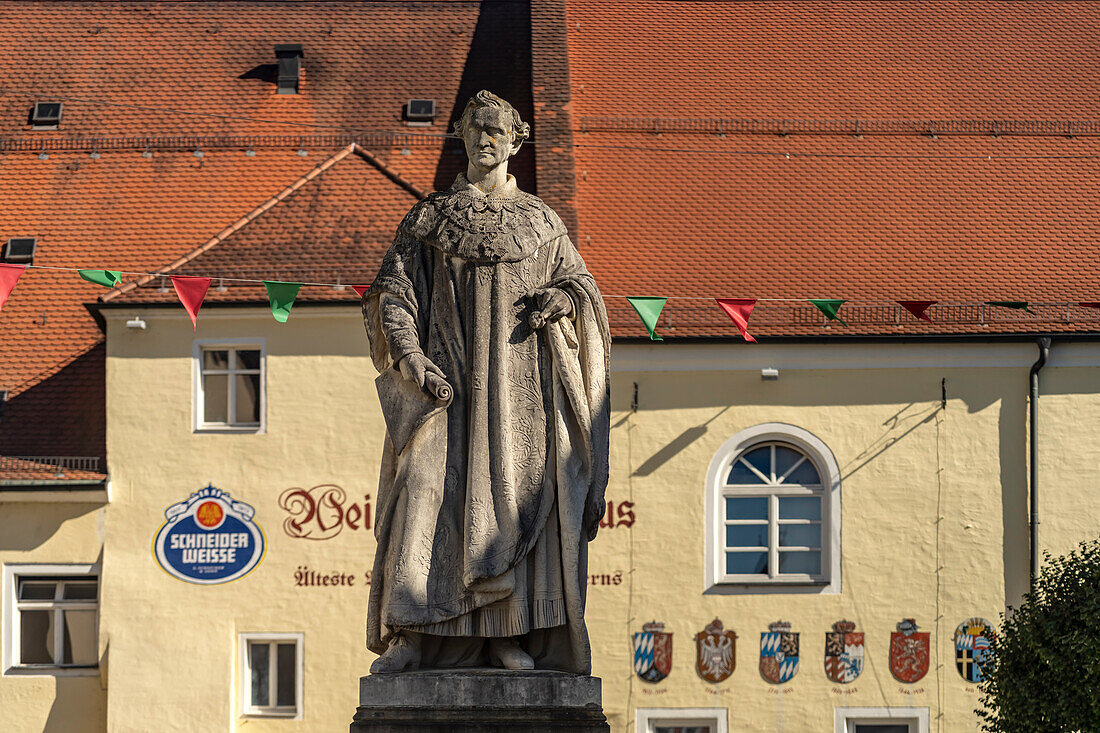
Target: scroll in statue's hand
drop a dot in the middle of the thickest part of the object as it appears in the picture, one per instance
(552, 304)
(421, 371)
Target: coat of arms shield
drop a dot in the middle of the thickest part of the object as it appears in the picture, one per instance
(715, 652)
(909, 652)
(972, 647)
(653, 652)
(843, 652)
(778, 653)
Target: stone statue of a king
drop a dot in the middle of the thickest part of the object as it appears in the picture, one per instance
(492, 345)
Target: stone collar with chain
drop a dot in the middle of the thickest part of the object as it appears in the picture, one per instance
(496, 227)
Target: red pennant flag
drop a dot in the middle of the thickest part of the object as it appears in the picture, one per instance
(360, 289)
(8, 275)
(739, 310)
(191, 291)
(1083, 305)
(918, 307)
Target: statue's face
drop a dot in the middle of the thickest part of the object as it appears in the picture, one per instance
(489, 138)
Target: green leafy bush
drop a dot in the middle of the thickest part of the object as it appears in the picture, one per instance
(1044, 676)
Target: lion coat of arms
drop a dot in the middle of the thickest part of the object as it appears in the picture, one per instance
(715, 652)
(909, 652)
(778, 653)
(972, 647)
(843, 652)
(652, 652)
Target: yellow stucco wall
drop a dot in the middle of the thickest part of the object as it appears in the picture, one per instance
(320, 430)
(934, 516)
(1068, 460)
(903, 463)
(45, 534)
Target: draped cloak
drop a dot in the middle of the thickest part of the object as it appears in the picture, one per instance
(486, 500)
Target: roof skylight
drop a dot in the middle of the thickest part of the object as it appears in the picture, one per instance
(46, 115)
(19, 250)
(420, 111)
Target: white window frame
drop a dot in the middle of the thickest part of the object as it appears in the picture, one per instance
(245, 667)
(646, 719)
(846, 719)
(716, 580)
(12, 606)
(199, 425)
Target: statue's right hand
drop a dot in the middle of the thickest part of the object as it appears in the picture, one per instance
(415, 367)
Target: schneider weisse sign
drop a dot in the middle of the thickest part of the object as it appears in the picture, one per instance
(209, 538)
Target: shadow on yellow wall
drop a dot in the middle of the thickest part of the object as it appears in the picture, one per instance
(29, 526)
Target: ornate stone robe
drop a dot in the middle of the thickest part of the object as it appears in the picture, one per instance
(486, 500)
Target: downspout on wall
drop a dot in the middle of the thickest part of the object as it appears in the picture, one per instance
(1033, 443)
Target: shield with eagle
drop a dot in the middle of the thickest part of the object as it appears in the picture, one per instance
(715, 652)
(778, 653)
(843, 652)
(972, 647)
(908, 652)
(653, 652)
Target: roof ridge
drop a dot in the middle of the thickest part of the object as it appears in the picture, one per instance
(389, 172)
(236, 226)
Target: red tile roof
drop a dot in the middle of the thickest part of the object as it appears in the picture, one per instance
(177, 75)
(331, 226)
(675, 206)
(97, 202)
(871, 60)
(362, 62)
(48, 470)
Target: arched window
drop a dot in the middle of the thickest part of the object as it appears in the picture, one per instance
(773, 507)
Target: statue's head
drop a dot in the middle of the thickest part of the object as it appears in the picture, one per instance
(491, 130)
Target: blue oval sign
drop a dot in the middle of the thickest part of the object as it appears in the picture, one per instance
(209, 538)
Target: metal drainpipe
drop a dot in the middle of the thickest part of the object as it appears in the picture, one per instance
(1044, 351)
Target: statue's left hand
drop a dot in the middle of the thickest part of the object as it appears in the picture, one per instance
(553, 304)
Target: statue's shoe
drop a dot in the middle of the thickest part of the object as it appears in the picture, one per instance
(402, 656)
(507, 653)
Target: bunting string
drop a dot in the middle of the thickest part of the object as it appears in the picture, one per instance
(354, 286)
(192, 289)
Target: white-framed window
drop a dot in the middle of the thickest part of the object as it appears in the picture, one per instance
(681, 720)
(229, 386)
(880, 720)
(51, 621)
(271, 675)
(773, 513)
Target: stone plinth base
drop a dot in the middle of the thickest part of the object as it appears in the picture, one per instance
(467, 700)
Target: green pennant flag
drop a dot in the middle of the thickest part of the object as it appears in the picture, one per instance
(282, 297)
(829, 308)
(106, 278)
(649, 310)
(1020, 305)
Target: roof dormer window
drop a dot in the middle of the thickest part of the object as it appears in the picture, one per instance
(290, 57)
(420, 112)
(19, 251)
(46, 115)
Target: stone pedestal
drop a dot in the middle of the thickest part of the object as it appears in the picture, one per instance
(467, 700)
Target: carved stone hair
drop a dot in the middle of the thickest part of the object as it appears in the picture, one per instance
(520, 129)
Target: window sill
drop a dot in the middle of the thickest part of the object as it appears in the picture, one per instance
(52, 672)
(295, 715)
(777, 586)
(231, 429)
(750, 580)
